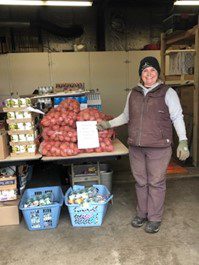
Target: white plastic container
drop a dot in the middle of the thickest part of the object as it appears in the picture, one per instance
(30, 137)
(28, 126)
(22, 149)
(27, 115)
(7, 102)
(19, 115)
(22, 138)
(106, 179)
(13, 126)
(11, 115)
(22, 102)
(28, 102)
(31, 148)
(14, 103)
(16, 149)
(14, 138)
(21, 126)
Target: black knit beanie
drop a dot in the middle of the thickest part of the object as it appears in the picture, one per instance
(149, 62)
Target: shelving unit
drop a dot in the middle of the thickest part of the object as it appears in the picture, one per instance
(170, 44)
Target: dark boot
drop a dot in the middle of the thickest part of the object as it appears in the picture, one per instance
(152, 227)
(138, 221)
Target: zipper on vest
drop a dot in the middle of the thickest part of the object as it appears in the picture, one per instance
(141, 121)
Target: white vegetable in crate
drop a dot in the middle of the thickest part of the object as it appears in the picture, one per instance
(22, 137)
(13, 126)
(14, 138)
(20, 126)
(27, 114)
(22, 149)
(19, 115)
(14, 103)
(28, 125)
(16, 149)
(30, 137)
(22, 102)
(31, 148)
(11, 115)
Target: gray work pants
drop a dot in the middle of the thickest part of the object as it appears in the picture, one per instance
(149, 167)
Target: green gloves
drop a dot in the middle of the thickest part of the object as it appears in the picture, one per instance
(182, 150)
(103, 125)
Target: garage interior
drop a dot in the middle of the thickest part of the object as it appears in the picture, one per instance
(101, 46)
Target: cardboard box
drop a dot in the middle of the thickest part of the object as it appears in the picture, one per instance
(9, 213)
(4, 148)
(70, 87)
(8, 183)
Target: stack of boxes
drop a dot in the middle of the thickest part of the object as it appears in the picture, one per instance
(4, 147)
(8, 188)
(9, 201)
(94, 100)
(21, 125)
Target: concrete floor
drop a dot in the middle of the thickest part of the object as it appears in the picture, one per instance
(115, 242)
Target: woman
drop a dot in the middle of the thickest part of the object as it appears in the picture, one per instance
(151, 109)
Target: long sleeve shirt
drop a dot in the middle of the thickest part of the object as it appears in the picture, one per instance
(175, 110)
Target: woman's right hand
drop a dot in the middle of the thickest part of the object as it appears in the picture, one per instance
(103, 125)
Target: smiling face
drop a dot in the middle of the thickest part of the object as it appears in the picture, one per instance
(149, 76)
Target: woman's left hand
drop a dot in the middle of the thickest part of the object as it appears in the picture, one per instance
(182, 150)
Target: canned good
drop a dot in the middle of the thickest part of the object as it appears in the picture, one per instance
(19, 115)
(13, 126)
(31, 148)
(14, 103)
(14, 138)
(27, 114)
(22, 149)
(11, 115)
(30, 137)
(21, 126)
(22, 102)
(22, 138)
(28, 125)
(7, 102)
(28, 101)
(16, 149)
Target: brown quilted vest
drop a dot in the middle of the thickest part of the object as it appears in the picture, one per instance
(149, 120)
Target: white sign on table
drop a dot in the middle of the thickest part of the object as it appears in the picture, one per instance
(87, 134)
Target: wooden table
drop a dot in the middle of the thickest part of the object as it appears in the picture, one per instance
(119, 150)
(16, 160)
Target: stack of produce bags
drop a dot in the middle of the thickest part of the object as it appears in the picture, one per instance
(60, 133)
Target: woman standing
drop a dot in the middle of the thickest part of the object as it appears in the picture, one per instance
(151, 109)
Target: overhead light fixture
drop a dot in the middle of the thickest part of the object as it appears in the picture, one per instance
(186, 3)
(46, 3)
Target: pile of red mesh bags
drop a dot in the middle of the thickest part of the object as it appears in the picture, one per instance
(59, 130)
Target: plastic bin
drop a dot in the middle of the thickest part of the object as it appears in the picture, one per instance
(42, 217)
(92, 215)
(106, 176)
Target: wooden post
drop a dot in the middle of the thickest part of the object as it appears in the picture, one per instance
(195, 103)
(163, 61)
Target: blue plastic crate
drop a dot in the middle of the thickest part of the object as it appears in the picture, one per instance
(42, 217)
(88, 216)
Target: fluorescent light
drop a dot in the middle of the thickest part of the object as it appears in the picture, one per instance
(186, 3)
(46, 3)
